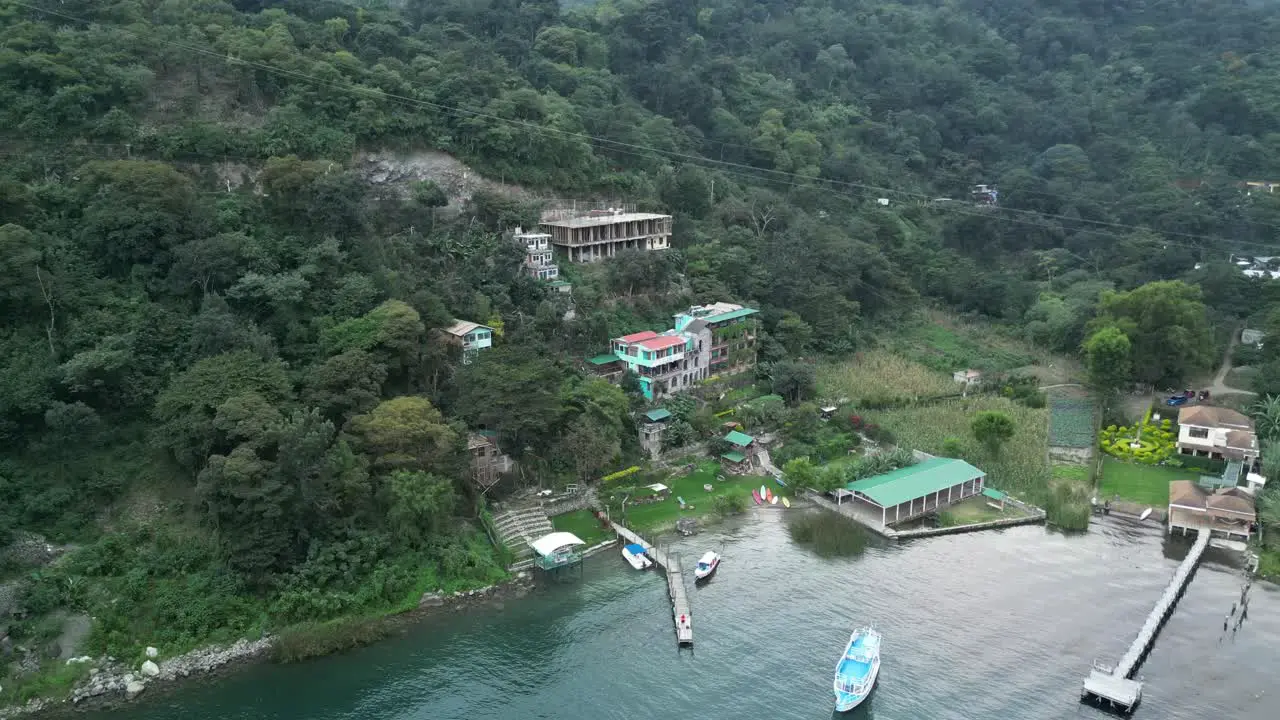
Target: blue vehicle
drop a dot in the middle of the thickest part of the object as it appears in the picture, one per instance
(858, 669)
(1176, 400)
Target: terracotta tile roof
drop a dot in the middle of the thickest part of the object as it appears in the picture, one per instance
(1214, 417)
(1187, 494)
(1233, 500)
(1242, 440)
(661, 343)
(637, 337)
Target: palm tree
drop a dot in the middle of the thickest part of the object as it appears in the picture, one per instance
(1266, 413)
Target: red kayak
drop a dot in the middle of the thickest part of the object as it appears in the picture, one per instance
(768, 497)
(755, 495)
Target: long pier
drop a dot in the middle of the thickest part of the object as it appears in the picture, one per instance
(1115, 685)
(681, 615)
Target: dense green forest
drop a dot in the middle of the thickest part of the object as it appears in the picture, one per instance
(227, 390)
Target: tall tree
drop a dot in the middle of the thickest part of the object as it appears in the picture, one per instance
(993, 429)
(1167, 325)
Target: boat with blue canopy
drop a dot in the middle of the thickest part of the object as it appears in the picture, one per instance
(636, 556)
(858, 668)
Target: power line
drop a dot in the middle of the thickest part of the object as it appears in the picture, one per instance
(610, 144)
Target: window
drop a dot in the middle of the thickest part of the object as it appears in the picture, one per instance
(1201, 433)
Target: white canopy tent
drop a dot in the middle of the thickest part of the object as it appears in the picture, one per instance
(555, 543)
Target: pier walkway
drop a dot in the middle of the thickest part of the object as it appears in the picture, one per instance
(681, 615)
(1115, 685)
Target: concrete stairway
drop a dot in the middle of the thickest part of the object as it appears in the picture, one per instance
(518, 527)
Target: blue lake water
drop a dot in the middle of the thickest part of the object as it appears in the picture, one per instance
(986, 625)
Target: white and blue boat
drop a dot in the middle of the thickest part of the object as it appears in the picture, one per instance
(857, 670)
(636, 556)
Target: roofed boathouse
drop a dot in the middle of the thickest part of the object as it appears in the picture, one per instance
(557, 550)
(916, 490)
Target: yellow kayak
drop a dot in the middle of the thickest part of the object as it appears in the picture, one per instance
(786, 502)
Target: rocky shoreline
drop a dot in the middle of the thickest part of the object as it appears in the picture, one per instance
(112, 681)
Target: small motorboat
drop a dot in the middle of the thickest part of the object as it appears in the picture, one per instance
(858, 669)
(1145, 514)
(636, 556)
(706, 566)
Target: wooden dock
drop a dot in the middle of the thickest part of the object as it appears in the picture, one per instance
(1114, 685)
(681, 614)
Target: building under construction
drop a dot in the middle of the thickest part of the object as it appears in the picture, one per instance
(597, 234)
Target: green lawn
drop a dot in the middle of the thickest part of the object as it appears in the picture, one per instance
(1145, 484)
(662, 515)
(583, 524)
(974, 510)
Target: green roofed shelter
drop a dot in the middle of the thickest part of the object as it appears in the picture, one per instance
(919, 489)
(604, 359)
(739, 439)
(994, 494)
(734, 456)
(658, 414)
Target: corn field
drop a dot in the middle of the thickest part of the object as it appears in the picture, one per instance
(882, 375)
(1020, 467)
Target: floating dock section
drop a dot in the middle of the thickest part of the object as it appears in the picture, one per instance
(1115, 686)
(681, 615)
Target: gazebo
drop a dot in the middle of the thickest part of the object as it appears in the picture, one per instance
(557, 550)
(742, 453)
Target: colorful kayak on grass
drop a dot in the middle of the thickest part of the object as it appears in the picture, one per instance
(786, 502)
(763, 491)
(755, 495)
(773, 499)
(768, 495)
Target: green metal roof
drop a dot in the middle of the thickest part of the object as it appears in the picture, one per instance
(603, 359)
(731, 315)
(915, 481)
(734, 456)
(994, 494)
(658, 414)
(739, 439)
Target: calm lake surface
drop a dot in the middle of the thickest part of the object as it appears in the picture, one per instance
(986, 625)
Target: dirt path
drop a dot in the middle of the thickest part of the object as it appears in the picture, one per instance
(1219, 386)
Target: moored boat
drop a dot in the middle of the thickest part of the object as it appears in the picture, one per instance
(858, 668)
(707, 565)
(636, 557)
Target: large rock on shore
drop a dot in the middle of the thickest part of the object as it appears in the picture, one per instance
(134, 689)
(150, 669)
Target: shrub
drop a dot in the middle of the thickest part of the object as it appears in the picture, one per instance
(732, 504)
(314, 640)
(620, 474)
(827, 534)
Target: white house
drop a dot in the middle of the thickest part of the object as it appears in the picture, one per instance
(967, 377)
(1218, 433)
(1249, 336)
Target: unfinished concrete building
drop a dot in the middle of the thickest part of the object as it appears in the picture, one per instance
(600, 234)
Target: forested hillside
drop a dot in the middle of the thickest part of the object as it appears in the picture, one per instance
(221, 378)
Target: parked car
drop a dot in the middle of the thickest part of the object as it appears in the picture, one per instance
(1176, 400)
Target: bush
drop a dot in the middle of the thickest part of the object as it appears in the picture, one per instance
(614, 477)
(827, 534)
(304, 642)
(732, 504)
